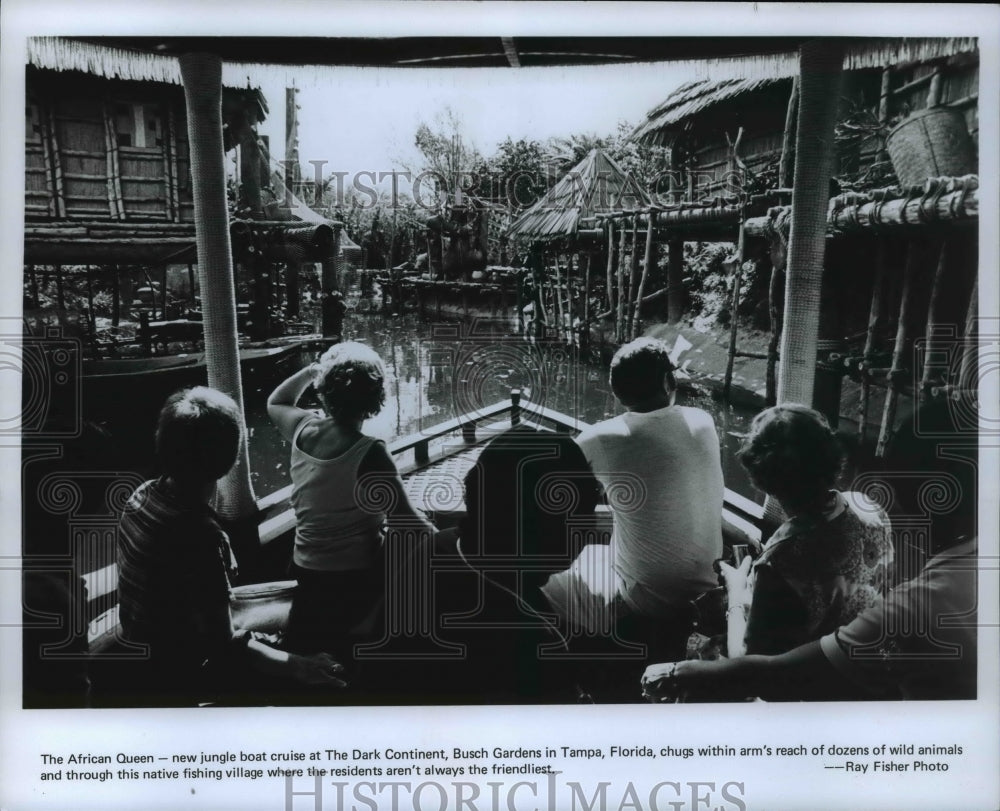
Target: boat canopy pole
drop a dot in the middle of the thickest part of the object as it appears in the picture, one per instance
(201, 74)
(820, 71)
(820, 64)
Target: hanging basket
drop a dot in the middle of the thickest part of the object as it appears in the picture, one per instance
(931, 143)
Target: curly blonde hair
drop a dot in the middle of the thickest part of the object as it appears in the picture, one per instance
(349, 379)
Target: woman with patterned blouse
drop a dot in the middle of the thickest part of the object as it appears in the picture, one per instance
(827, 563)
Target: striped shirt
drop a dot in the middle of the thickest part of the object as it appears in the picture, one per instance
(174, 563)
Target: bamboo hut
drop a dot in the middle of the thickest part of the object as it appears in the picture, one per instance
(556, 229)
(897, 246)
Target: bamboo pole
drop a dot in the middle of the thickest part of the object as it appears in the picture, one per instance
(559, 300)
(914, 254)
(931, 338)
(675, 281)
(775, 300)
(91, 319)
(173, 171)
(620, 316)
(883, 99)
(874, 315)
(116, 297)
(968, 378)
(585, 330)
(633, 283)
(788, 140)
(51, 206)
(56, 165)
(734, 313)
(60, 300)
(33, 281)
(611, 255)
(647, 262)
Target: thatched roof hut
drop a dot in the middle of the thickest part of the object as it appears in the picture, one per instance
(595, 185)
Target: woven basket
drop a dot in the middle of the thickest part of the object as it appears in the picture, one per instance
(931, 143)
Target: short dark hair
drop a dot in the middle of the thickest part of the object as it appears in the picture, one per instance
(198, 435)
(350, 382)
(638, 370)
(791, 453)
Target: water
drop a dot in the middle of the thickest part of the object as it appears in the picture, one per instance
(440, 370)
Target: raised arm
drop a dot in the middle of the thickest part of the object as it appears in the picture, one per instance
(281, 405)
(380, 484)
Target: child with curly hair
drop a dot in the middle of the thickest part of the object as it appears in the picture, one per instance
(345, 487)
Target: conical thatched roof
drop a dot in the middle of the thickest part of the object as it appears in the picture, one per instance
(596, 184)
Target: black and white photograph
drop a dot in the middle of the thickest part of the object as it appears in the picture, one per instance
(442, 405)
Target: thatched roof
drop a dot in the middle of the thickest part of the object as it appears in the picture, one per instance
(595, 185)
(63, 53)
(692, 98)
(697, 96)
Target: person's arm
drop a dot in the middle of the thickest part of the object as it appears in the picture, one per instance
(380, 484)
(317, 670)
(803, 673)
(281, 406)
(739, 596)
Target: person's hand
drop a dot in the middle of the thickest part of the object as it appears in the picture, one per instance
(737, 581)
(669, 682)
(318, 670)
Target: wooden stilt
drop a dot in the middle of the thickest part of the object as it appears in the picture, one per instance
(647, 262)
(91, 319)
(931, 337)
(585, 326)
(116, 298)
(734, 311)
(775, 305)
(675, 281)
(620, 317)
(33, 283)
(874, 315)
(60, 300)
(968, 378)
(559, 312)
(788, 140)
(913, 255)
(633, 283)
(611, 263)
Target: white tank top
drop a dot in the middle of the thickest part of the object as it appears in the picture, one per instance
(332, 531)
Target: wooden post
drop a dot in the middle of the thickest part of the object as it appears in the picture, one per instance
(633, 284)
(874, 315)
(647, 262)
(163, 295)
(611, 259)
(560, 314)
(585, 327)
(173, 174)
(60, 300)
(292, 270)
(931, 337)
(968, 378)
(249, 163)
(883, 99)
(33, 281)
(788, 140)
(620, 317)
(191, 281)
(56, 165)
(116, 298)
(914, 254)
(734, 310)
(775, 302)
(675, 281)
(91, 319)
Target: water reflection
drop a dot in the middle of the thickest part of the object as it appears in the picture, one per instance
(440, 370)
